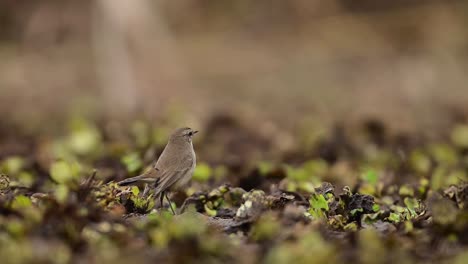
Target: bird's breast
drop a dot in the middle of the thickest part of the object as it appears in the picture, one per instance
(188, 176)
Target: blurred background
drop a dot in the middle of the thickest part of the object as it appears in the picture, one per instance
(271, 64)
(345, 114)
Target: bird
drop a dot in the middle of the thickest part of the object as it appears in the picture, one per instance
(174, 167)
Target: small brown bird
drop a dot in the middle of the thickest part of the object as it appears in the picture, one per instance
(174, 168)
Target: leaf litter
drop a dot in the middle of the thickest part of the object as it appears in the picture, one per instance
(404, 200)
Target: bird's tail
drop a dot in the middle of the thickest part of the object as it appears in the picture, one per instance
(141, 178)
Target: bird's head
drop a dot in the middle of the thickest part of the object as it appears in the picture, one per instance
(184, 133)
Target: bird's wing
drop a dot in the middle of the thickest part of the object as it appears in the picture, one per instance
(167, 180)
(147, 177)
(172, 167)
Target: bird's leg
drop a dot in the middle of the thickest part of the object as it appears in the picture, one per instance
(145, 191)
(161, 199)
(170, 204)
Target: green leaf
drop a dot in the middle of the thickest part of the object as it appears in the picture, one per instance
(351, 227)
(406, 190)
(420, 162)
(264, 167)
(412, 205)
(143, 204)
(267, 227)
(132, 162)
(408, 227)
(310, 171)
(209, 211)
(297, 174)
(63, 172)
(443, 177)
(21, 202)
(444, 154)
(26, 179)
(370, 176)
(316, 167)
(318, 206)
(135, 190)
(61, 193)
(376, 207)
(13, 165)
(202, 172)
(394, 218)
(84, 137)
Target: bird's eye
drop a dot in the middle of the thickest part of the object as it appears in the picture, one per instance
(190, 133)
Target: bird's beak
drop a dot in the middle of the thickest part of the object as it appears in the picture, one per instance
(194, 132)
